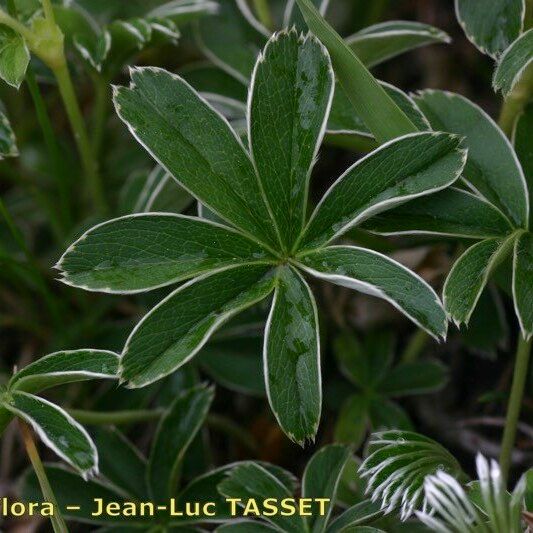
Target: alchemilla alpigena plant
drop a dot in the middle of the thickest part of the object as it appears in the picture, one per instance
(267, 241)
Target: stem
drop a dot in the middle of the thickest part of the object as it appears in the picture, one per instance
(416, 344)
(14, 24)
(48, 10)
(262, 10)
(62, 75)
(523, 352)
(58, 523)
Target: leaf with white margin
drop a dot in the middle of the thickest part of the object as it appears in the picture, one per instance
(492, 167)
(251, 480)
(175, 433)
(523, 282)
(376, 274)
(58, 430)
(67, 366)
(469, 276)
(522, 135)
(175, 329)
(293, 16)
(289, 101)
(292, 357)
(514, 63)
(8, 143)
(140, 252)
(197, 146)
(492, 25)
(408, 167)
(246, 526)
(321, 479)
(358, 514)
(14, 57)
(183, 11)
(378, 43)
(452, 213)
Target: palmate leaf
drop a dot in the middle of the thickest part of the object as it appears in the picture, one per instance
(492, 166)
(513, 63)
(396, 465)
(375, 274)
(136, 253)
(65, 367)
(522, 135)
(469, 276)
(385, 414)
(57, 429)
(173, 331)
(353, 420)
(197, 146)
(386, 40)
(418, 377)
(408, 167)
(292, 358)
(175, 432)
(14, 57)
(290, 97)
(451, 213)
(491, 25)
(523, 282)
(321, 479)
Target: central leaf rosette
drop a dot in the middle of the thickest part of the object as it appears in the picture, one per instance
(266, 241)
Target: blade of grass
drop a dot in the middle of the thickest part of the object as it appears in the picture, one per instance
(379, 112)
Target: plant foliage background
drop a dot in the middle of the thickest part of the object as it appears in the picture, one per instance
(268, 248)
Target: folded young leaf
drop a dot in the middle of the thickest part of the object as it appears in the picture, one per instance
(251, 480)
(290, 97)
(14, 57)
(175, 433)
(492, 166)
(360, 513)
(121, 462)
(513, 63)
(523, 282)
(522, 135)
(452, 213)
(174, 330)
(321, 479)
(8, 143)
(418, 377)
(468, 277)
(376, 274)
(352, 422)
(65, 367)
(411, 166)
(292, 357)
(58, 430)
(377, 43)
(197, 146)
(492, 25)
(140, 252)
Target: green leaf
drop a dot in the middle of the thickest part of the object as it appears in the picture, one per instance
(245, 526)
(451, 213)
(406, 168)
(14, 57)
(419, 377)
(321, 478)
(293, 16)
(378, 111)
(468, 277)
(356, 515)
(513, 63)
(290, 97)
(522, 135)
(58, 430)
(492, 25)
(121, 462)
(492, 166)
(352, 423)
(523, 282)
(375, 44)
(385, 414)
(251, 480)
(197, 146)
(292, 357)
(8, 143)
(375, 274)
(183, 11)
(231, 41)
(175, 433)
(396, 465)
(173, 331)
(141, 252)
(65, 367)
